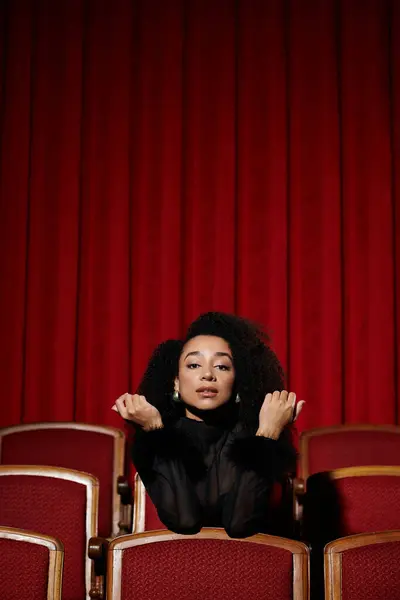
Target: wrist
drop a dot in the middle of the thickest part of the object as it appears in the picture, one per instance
(272, 433)
(154, 425)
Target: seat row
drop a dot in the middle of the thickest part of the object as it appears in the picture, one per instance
(332, 498)
(160, 565)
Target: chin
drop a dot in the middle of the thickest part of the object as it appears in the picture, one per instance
(206, 404)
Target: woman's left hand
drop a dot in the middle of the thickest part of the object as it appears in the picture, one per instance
(277, 411)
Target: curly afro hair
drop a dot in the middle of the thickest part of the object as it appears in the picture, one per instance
(257, 368)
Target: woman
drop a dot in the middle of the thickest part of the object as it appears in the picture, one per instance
(213, 427)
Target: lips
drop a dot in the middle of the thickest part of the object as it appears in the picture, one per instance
(207, 391)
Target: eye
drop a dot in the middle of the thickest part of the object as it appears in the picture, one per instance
(193, 366)
(223, 367)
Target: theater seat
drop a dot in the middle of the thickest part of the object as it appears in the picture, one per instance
(207, 566)
(363, 566)
(95, 449)
(328, 448)
(31, 565)
(352, 500)
(62, 503)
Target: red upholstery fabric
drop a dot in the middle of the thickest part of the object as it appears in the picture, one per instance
(24, 569)
(70, 448)
(206, 570)
(369, 503)
(352, 448)
(335, 508)
(152, 520)
(54, 507)
(371, 572)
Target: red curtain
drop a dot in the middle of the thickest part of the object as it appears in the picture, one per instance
(161, 159)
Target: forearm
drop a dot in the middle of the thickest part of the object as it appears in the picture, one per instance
(246, 504)
(271, 456)
(166, 482)
(257, 464)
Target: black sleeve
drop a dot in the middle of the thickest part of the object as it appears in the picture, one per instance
(157, 458)
(254, 465)
(273, 459)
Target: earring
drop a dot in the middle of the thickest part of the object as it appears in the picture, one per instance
(176, 397)
(237, 399)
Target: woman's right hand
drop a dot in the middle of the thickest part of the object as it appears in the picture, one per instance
(277, 411)
(133, 407)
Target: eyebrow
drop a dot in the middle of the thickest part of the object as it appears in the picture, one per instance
(197, 353)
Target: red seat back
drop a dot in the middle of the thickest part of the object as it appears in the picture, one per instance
(369, 502)
(94, 449)
(30, 565)
(363, 566)
(58, 502)
(209, 565)
(325, 449)
(351, 500)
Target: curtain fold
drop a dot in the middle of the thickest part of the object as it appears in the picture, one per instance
(161, 159)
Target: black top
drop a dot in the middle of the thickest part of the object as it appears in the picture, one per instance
(201, 475)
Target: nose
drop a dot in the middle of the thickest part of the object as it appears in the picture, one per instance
(208, 376)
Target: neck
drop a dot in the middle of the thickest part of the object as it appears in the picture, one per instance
(190, 415)
(223, 416)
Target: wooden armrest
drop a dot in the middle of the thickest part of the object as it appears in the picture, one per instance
(97, 552)
(125, 492)
(299, 490)
(97, 548)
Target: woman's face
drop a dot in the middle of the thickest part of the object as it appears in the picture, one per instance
(206, 372)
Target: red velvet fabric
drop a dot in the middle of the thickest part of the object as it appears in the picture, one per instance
(54, 507)
(161, 158)
(352, 448)
(335, 508)
(70, 448)
(371, 572)
(369, 503)
(206, 570)
(24, 570)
